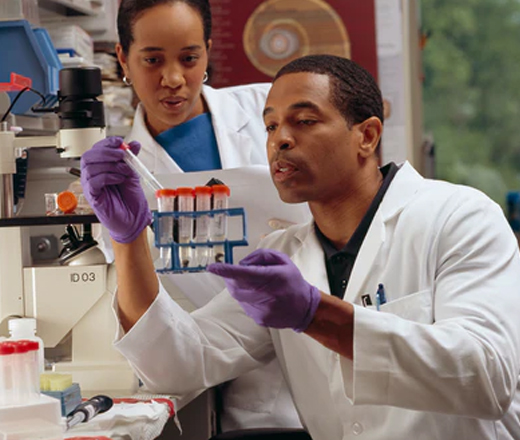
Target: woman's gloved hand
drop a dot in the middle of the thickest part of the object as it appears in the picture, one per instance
(271, 289)
(113, 190)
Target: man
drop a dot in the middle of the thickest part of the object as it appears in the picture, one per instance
(394, 314)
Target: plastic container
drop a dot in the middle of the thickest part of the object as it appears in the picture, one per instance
(6, 382)
(67, 202)
(26, 376)
(37, 420)
(20, 10)
(25, 328)
(221, 195)
(185, 203)
(51, 204)
(69, 398)
(72, 37)
(166, 203)
(31, 429)
(202, 224)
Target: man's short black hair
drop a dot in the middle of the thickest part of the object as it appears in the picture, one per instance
(354, 91)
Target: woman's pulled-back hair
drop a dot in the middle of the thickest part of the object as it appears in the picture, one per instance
(130, 10)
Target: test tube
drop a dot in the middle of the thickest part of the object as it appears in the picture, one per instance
(219, 224)
(165, 203)
(21, 374)
(146, 176)
(185, 198)
(31, 368)
(6, 375)
(202, 225)
(51, 204)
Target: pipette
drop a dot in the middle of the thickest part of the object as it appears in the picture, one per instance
(88, 409)
(134, 162)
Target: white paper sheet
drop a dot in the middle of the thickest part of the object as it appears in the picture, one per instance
(252, 189)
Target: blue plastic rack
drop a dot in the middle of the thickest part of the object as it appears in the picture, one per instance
(228, 244)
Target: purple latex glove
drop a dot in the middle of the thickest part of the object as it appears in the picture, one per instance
(113, 189)
(271, 289)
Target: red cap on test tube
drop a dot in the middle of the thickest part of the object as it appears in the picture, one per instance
(184, 191)
(165, 192)
(221, 189)
(203, 190)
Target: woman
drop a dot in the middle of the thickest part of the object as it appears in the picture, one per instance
(183, 126)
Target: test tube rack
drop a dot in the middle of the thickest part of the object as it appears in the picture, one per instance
(228, 245)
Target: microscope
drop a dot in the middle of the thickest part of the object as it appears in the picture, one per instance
(69, 296)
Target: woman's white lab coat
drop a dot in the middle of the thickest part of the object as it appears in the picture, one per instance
(258, 398)
(440, 360)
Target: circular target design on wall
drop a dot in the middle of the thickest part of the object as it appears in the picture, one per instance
(279, 31)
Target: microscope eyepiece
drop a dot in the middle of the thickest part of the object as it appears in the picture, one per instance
(78, 104)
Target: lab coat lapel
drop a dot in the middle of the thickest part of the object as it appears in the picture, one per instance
(402, 189)
(369, 249)
(228, 119)
(310, 259)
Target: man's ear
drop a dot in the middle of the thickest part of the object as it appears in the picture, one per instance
(370, 131)
(121, 57)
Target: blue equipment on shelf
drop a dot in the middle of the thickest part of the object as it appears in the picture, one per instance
(228, 245)
(29, 52)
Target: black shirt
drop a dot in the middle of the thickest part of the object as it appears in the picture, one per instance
(340, 263)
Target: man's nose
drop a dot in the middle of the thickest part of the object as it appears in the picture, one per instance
(282, 140)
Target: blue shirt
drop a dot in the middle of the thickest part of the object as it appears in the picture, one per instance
(192, 145)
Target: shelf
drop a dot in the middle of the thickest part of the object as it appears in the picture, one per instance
(48, 220)
(71, 7)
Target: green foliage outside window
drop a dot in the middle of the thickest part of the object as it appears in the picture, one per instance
(472, 91)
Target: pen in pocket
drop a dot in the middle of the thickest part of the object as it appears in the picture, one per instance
(380, 296)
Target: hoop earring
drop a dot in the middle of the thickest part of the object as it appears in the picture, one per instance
(126, 81)
(205, 77)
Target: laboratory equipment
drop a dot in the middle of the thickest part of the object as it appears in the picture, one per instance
(146, 176)
(219, 224)
(25, 329)
(191, 253)
(88, 409)
(69, 294)
(202, 224)
(6, 352)
(21, 383)
(185, 199)
(67, 201)
(166, 203)
(25, 50)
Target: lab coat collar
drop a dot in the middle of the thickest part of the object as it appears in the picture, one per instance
(405, 185)
(310, 257)
(155, 157)
(229, 118)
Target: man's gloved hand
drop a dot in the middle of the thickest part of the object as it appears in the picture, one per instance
(113, 190)
(271, 289)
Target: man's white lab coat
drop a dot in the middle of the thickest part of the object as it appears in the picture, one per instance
(259, 398)
(441, 359)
